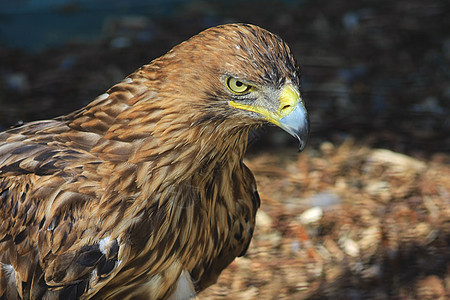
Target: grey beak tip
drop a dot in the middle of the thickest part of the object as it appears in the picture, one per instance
(303, 141)
(297, 125)
(302, 146)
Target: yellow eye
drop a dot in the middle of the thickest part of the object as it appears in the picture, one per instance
(237, 86)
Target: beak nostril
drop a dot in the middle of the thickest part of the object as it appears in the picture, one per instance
(285, 107)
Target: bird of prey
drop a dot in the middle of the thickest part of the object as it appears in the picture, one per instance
(143, 193)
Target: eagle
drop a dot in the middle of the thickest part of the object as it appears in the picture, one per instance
(143, 193)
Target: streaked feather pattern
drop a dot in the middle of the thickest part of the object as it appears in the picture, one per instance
(142, 194)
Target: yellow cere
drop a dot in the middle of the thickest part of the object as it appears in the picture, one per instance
(289, 99)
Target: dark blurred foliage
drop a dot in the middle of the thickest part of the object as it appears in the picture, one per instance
(375, 70)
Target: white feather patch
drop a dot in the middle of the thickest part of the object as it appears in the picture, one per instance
(10, 273)
(9, 269)
(103, 245)
(185, 288)
(103, 96)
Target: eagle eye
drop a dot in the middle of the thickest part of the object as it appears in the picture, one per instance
(237, 87)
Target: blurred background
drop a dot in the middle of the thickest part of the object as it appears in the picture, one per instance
(375, 70)
(376, 74)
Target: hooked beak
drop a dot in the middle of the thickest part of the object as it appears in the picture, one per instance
(296, 123)
(294, 117)
(291, 114)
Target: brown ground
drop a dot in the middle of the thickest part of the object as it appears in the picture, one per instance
(346, 222)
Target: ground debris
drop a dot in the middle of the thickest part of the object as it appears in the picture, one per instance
(345, 222)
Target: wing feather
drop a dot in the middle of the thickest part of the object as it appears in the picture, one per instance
(46, 237)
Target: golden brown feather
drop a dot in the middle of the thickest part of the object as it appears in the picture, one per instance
(143, 194)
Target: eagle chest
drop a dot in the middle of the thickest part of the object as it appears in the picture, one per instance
(224, 214)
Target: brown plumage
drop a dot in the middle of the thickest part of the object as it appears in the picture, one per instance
(143, 194)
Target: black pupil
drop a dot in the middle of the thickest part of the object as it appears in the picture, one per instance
(239, 84)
